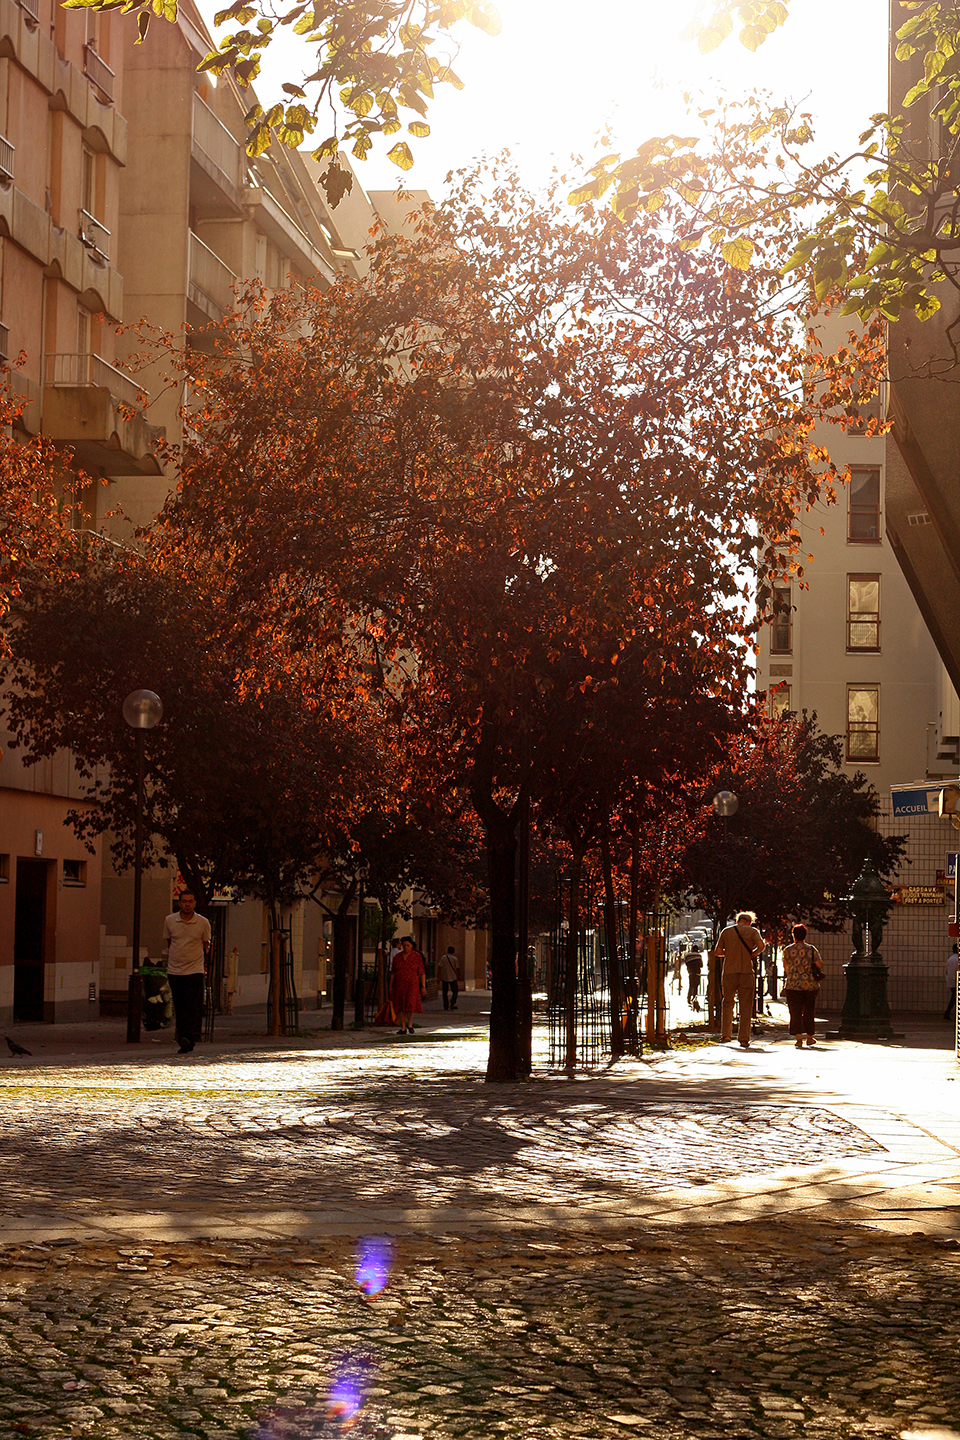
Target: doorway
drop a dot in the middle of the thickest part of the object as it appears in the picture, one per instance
(30, 927)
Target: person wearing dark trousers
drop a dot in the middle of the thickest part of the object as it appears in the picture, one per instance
(448, 973)
(186, 937)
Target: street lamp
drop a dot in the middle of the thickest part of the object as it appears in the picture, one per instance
(142, 711)
(725, 804)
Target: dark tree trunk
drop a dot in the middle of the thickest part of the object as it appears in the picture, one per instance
(633, 934)
(500, 830)
(504, 1061)
(613, 946)
(343, 955)
(195, 880)
(524, 977)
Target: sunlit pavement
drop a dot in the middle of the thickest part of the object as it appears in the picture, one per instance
(712, 1242)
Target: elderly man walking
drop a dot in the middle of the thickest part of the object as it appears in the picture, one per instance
(738, 947)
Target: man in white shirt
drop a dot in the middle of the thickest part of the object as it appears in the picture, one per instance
(186, 939)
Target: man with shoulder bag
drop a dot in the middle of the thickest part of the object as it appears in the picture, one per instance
(739, 946)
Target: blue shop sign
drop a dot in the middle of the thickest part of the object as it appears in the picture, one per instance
(916, 802)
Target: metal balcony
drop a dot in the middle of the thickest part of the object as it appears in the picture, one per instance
(65, 371)
(96, 237)
(216, 151)
(4, 342)
(6, 162)
(31, 9)
(98, 72)
(211, 281)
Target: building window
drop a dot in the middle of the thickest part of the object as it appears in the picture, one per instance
(863, 612)
(778, 701)
(781, 631)
(863, 722)
(863, 525)
(74, 872)
(4, 869)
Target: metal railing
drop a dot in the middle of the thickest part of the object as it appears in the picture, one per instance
(209, 275)
(6, 159)
(4, 342)
(31, 8)
(95, 236)
(97, 71)
(80, 371)
(212, 137)
(863, 632)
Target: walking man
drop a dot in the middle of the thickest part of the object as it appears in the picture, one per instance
(186, 938)
(738, 947)
(448, 973)
(953, 965)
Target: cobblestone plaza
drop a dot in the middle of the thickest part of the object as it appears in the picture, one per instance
(708, 1243)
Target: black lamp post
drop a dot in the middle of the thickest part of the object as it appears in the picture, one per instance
(866, 1009)
(142, 711)
(725, 804)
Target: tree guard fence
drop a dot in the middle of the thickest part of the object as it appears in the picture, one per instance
(586, 1012)
(281, 940)
(214, 969)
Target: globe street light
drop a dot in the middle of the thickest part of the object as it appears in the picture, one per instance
(142, 710)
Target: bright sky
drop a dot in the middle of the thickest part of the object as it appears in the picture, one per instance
(561, 71)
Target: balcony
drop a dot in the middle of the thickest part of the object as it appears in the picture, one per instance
(90, 406)
(210, 283)
(6, 163)
(95, 237)
(31, 8)
(216, 169)
(4, 342)
(98, 72)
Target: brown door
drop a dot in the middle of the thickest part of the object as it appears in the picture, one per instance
(30, 925)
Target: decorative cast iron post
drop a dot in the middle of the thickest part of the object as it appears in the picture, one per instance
(866, 1009)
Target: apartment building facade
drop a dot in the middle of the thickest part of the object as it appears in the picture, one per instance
(849, 642)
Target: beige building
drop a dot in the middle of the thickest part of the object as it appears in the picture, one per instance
(855, 648)
(126, 194)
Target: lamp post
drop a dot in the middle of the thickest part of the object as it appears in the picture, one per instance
(866, 1009)
(142, 711)
(725, 804)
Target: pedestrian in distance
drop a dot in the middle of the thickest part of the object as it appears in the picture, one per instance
(953, 964)
(408, 984)
(694, 964)
(738, 948)
(802, 975)
(448, 973)
(186, 939)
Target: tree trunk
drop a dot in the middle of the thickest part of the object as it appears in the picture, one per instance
(613, 946)
(342, 955)
(194, 879)
(503, 1061)
(524, 977)
(500, 830)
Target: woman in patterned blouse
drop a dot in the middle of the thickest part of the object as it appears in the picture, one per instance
(802, 973)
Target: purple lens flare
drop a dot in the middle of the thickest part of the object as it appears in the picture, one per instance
(374, 1263)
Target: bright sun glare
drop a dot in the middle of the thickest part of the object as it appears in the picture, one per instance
(561, 72)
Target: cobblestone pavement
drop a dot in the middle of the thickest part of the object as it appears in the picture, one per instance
(788, 1329)
(345, 1130)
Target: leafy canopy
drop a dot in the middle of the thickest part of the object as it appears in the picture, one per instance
(375, 64)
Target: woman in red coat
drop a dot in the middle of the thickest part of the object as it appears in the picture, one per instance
(407, 983)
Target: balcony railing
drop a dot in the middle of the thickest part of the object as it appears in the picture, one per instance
(210, 277)
(215, 141)
(79, 371)
(31, 9)
(96, 237)
(6, 162)
(4, 342)
(98, 72)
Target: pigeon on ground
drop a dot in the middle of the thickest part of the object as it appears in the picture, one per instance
(15, 1049)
